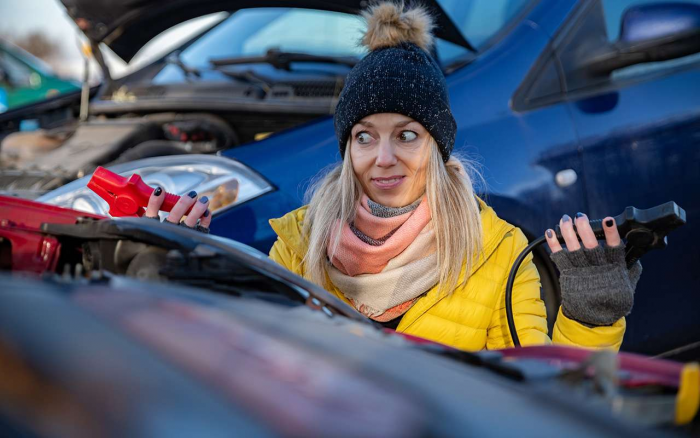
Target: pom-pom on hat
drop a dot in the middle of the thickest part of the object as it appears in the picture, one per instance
(398, 75)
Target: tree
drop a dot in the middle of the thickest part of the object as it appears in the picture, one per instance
(38, 44)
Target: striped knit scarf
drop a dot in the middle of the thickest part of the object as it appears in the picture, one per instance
(386, 258)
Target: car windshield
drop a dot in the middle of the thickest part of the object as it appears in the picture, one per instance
(252, 32)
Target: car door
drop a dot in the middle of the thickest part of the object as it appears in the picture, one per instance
(639, 134)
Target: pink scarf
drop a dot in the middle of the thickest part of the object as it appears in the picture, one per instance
(385, 296)
(354, 256)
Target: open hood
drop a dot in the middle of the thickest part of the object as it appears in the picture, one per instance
(127, 25)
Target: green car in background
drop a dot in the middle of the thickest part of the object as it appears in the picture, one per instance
(25, 79)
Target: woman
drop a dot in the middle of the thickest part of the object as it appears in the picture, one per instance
(397, 232)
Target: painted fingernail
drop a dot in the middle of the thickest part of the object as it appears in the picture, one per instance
(549, 233)
(565, 218)
(203, 199)
(206, 213)
(579, 214)
(158, 191)
(192, 194)
(609, 223)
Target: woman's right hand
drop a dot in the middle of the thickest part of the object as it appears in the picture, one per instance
(597, 288)
(199, 217)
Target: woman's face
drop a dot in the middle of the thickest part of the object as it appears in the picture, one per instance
(389, 157)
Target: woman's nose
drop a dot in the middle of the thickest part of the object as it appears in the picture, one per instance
(385, 154)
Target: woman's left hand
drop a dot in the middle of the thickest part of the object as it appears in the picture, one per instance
(597, 289)
(612, 236)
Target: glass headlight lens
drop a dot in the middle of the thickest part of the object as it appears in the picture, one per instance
(225, 181)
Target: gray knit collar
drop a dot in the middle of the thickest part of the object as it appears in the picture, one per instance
(383, 211)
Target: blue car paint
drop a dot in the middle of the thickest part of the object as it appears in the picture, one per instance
(289, 160)
(624, 150)
(662, 140)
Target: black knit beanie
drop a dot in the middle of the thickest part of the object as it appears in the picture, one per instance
(398, 75)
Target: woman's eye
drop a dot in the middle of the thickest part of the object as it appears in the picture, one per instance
(407, 136)
(363, 138)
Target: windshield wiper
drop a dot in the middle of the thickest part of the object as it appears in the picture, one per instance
(174, 59)
(282, 60)
(251, 77)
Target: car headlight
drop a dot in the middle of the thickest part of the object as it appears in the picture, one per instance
(225, 181)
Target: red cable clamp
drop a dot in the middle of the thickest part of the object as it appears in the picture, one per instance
(126, 196)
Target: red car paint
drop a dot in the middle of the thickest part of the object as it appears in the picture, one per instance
(636, 370)
(23, 246)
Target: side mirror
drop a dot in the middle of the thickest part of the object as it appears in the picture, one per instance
(651, 33)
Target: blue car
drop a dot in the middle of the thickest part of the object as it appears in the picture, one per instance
(588, 105)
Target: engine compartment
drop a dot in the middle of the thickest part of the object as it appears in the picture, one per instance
(90, 252)
(33, 163)
(45, 146)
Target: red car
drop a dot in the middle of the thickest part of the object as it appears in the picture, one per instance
(130, 327)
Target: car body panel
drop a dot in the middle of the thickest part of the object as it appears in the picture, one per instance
(182, 360)
(31, 250)
(617, 141)
(176, 360)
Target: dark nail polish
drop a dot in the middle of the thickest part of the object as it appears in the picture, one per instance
(158, 191)
(206, 213)
(565, 218)
(549, 233)
(609, 223)
(579, 214)
(192, 194)
(203, 199)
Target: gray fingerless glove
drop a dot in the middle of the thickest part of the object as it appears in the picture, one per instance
(597, 289)
(197, 227)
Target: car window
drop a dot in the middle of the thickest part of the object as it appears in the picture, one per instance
(480, 20)
(16, 73)
(309, 31)
(614, 10)
(594, 26)
(252, 32)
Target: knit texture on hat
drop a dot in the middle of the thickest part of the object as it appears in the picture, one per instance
(397, 76)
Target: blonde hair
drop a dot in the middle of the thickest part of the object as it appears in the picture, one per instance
(334, 197)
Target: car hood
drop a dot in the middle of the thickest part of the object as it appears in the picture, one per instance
(127, 25)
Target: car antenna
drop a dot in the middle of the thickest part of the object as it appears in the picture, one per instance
(86, 51)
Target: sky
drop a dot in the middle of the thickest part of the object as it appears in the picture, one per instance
(19, 17)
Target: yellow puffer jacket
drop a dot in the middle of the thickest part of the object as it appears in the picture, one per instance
(473, 317)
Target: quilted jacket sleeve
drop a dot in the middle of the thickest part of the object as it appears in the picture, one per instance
(528, 308)
(282, 254)
(570, 332)
(288, 249)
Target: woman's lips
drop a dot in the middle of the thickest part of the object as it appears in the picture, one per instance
(388, 183)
